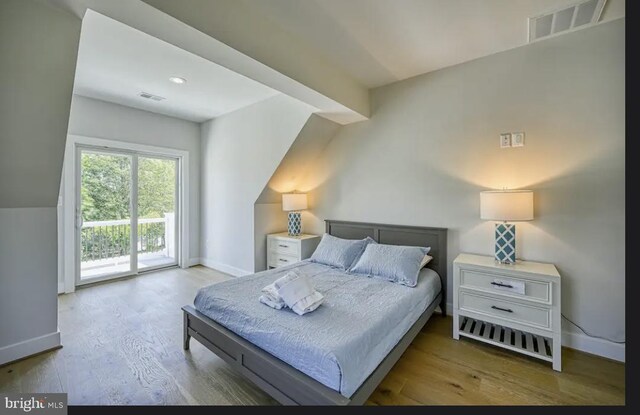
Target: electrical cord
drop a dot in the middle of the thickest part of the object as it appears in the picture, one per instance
(589, 334)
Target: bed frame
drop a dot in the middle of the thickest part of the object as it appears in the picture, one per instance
(288, 385)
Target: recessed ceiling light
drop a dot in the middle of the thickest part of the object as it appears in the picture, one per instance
(178, 80)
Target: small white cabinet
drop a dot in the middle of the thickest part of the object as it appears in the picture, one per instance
(283, 249)
(516, 307)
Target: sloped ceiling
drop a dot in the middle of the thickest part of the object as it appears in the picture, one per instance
(39, 45)
(381, 41)
(242, 28)
(226, 33)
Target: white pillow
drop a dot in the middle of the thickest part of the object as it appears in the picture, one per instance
(425, 261)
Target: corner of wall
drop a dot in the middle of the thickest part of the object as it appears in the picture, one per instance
(240, 152)
(289, 176)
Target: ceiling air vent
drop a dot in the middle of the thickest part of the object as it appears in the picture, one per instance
(564, 19)
(147, 95)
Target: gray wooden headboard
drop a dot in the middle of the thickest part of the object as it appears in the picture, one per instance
(436, 238)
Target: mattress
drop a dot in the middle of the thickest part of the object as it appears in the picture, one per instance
(342, 342)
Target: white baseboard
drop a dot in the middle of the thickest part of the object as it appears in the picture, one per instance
(60, 287)
(29, 347)
(227, 269)
(584, 343)
(593, 345)
(194, 261)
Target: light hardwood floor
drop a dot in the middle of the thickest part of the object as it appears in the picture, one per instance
(123, 345)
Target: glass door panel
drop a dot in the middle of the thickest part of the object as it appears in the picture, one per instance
(104, 215)
(157, 212)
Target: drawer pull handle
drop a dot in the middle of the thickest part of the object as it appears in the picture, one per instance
(282, 260)
(499, 284)
(283, 246)
(508, 310)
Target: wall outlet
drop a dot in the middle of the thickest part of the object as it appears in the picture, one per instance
(505, 140)
(517, 140)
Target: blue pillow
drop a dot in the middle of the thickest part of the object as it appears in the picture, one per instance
(339, 253)
(399, 264)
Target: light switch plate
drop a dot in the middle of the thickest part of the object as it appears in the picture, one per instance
(517, 140)
(505, 140)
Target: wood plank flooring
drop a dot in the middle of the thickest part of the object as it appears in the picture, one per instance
(437, 370)
(123, 345)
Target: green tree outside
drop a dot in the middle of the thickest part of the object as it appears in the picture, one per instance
(106, 187)
(106, 196)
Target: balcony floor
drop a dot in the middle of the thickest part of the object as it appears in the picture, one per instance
(118, 265)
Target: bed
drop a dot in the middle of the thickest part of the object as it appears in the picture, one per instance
(338, 354)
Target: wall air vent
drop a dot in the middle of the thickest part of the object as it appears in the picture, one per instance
(564, 19)
(152, 97)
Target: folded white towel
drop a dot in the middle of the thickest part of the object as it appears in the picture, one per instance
(293, 290)
(286, 278)
(308, 303)
(268, 300)
(271, 297)
(293, 287)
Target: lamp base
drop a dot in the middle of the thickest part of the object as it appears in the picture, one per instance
(294, 227)
(505, 246)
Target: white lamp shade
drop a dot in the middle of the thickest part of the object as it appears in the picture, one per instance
(294, 201)
(507, 205)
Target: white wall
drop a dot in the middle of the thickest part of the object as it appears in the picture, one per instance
(100, 119)
(299, 160)
(432, 145)
(38, 45)
(268, 214)
(268, 218)
(240, 152)
(28, 300)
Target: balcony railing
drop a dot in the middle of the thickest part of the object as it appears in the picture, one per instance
(111, 239)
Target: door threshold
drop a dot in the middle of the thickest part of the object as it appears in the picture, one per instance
(124, 277)
(159, 268)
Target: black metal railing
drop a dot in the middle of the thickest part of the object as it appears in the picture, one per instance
(112, 239)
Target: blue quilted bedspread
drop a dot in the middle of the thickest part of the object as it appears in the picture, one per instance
(341, 342)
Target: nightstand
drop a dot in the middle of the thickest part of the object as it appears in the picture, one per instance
(283, 249)
(516, 307)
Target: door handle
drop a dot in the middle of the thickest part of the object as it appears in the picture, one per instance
(79, 220)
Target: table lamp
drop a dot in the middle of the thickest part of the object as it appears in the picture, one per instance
(294, 203)
(504, 206)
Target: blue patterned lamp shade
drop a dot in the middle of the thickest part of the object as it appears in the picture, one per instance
(294, 203)
(506, 205)
(505, 243)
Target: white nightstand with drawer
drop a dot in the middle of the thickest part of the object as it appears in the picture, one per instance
(283, 249)
(516, 307)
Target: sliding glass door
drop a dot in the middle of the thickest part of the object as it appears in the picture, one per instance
(104, 217)
(127, 213)
(157, 208)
